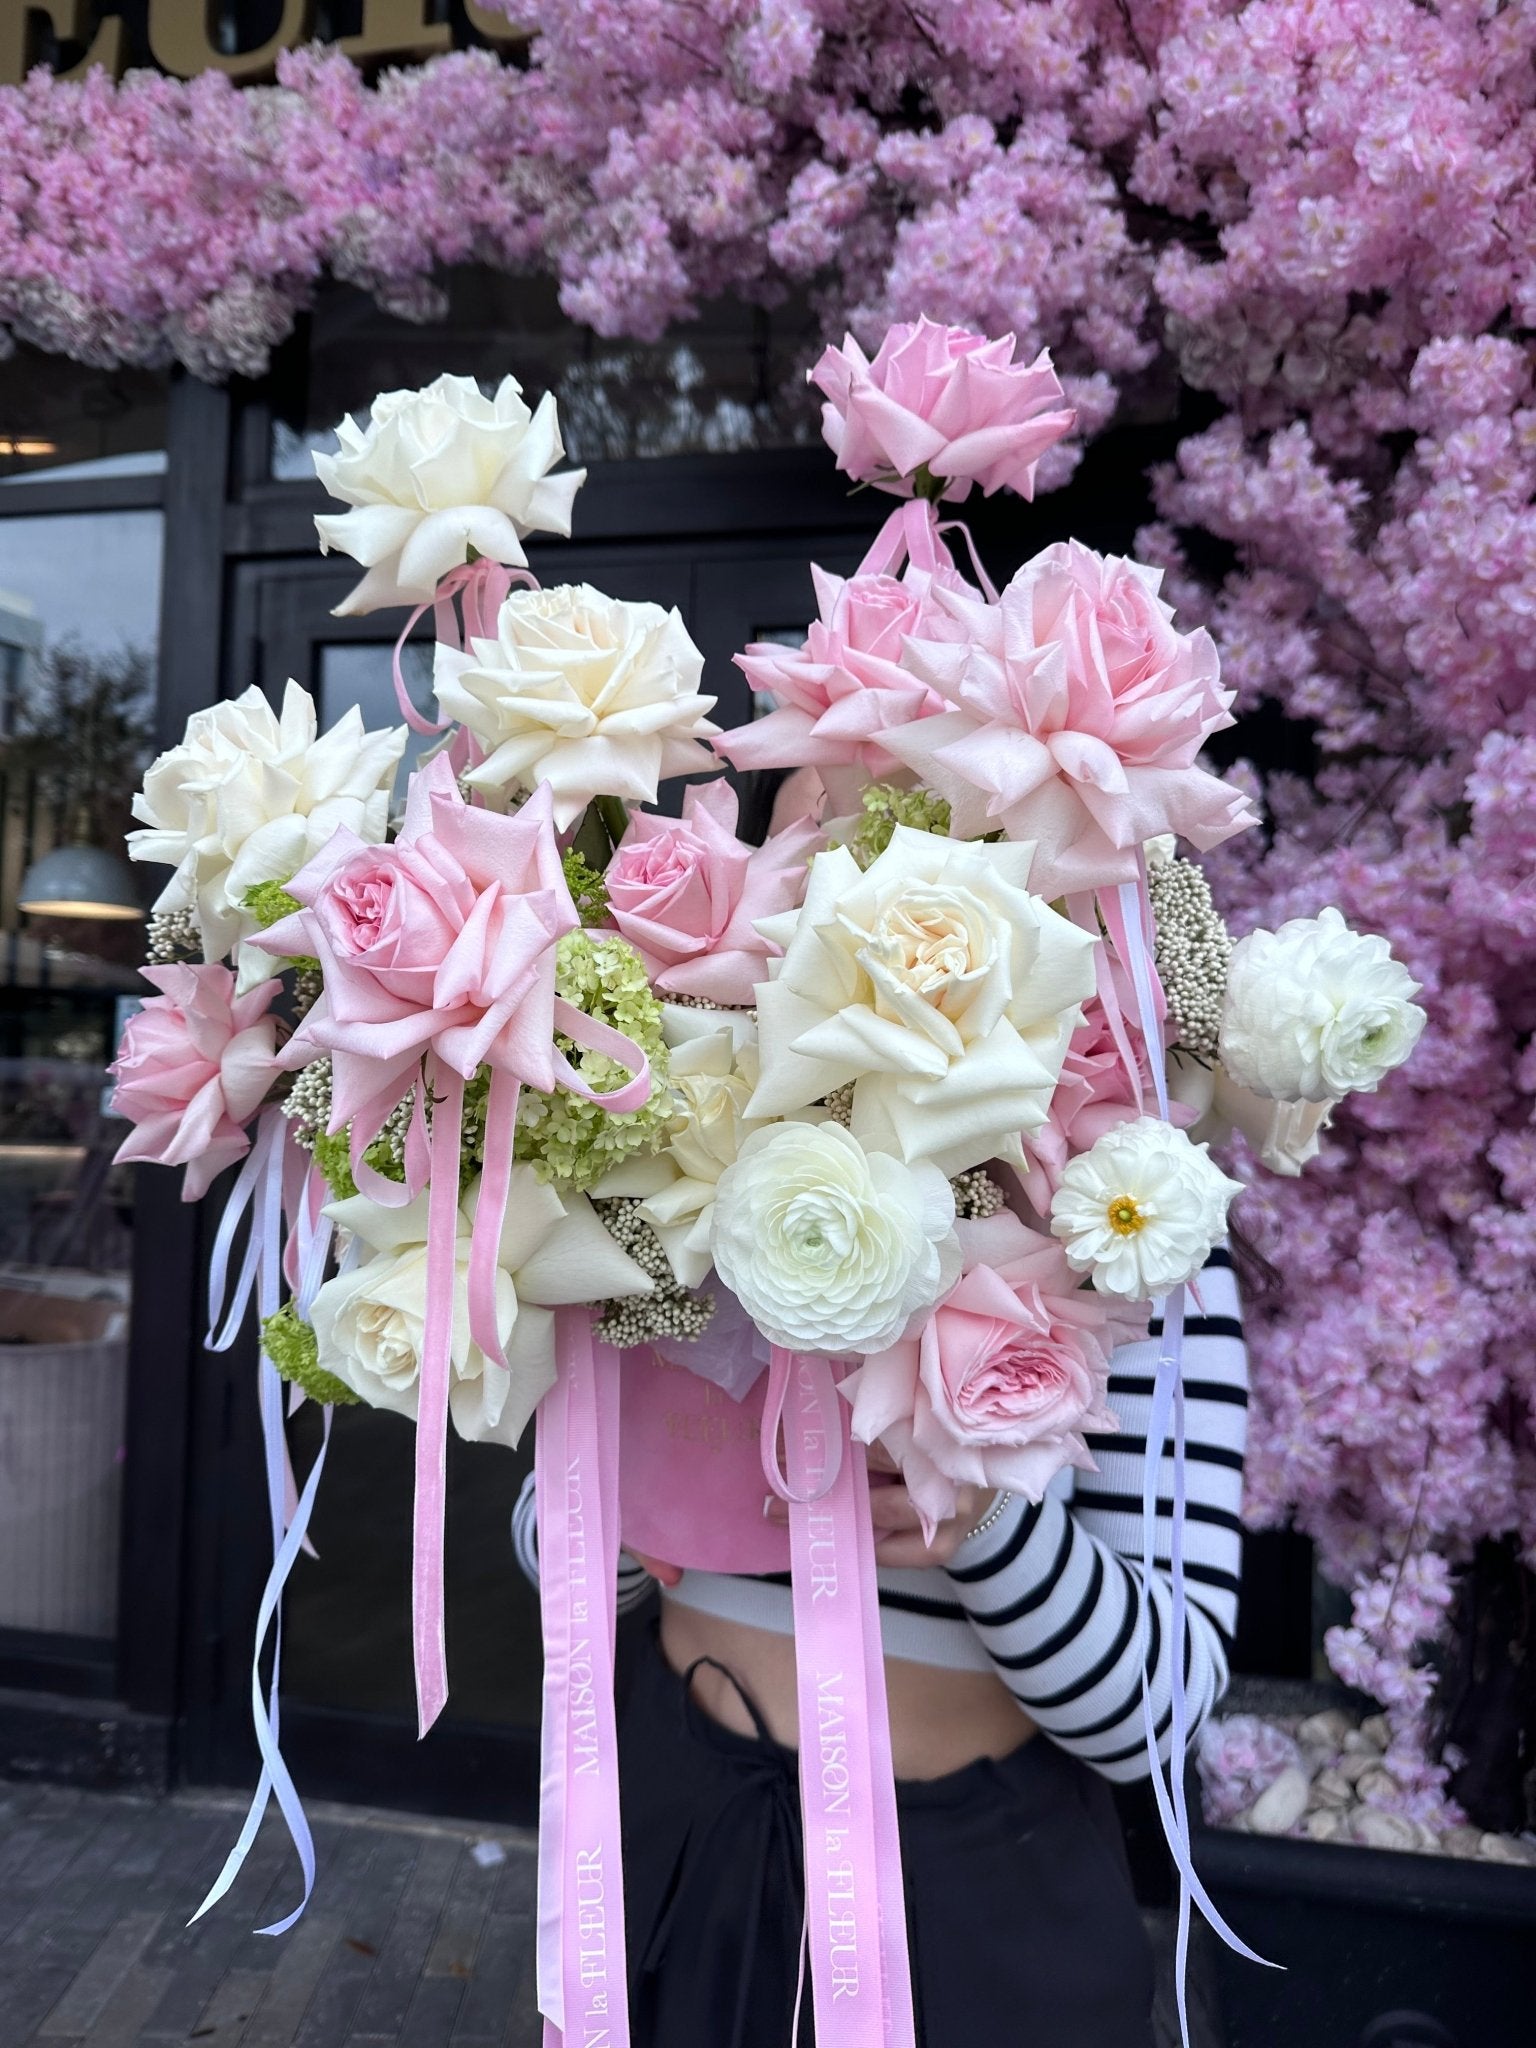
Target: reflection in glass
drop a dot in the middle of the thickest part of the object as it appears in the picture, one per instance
(77, 653)
(60, 419)
(721, 383)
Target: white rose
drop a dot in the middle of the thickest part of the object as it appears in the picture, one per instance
(1316, 1011)
(937, 985)
(249, 797)
(828, 1247)
(370, 1322)
(436, 473)
(712, 1075)
(1141, 1209)
(594, 696)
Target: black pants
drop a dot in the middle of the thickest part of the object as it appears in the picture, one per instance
(1021, 1920)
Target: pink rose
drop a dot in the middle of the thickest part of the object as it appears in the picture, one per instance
(1094, 1092)
(838, 694)
(942, 401)
(193, 1068)
(686, 893)
(1003, 1379)
(445, 940)
(1075, 713)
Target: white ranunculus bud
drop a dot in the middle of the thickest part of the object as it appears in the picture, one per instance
(249, 797)
(1316, 1011)
(370, 1322)
(593, 695)
(829, 1247)
(436, 473)
(1141, 1209)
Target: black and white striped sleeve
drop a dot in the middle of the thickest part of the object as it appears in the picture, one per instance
(1053, 1592)
(634, 1580)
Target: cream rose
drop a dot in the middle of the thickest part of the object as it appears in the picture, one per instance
(370, 1322)
(936, 984)
(595, 696)
(1316, 1011)
(713, 1073)
(249, 797)
(1142, 1209)
(436, 473)
(829, 1247)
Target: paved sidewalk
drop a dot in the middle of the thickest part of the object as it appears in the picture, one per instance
(409, 1939)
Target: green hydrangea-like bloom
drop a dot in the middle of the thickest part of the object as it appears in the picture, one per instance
(268, 902)
(293, 1348)
(564, 1138)
(885, 808)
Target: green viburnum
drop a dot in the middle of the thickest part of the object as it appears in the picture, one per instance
(268, 902)
(564, 1138)
(885, 808)
(292, 1347)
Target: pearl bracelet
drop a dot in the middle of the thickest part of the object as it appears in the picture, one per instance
(997, 1507)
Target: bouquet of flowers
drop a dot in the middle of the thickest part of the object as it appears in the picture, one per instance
(901, 1118)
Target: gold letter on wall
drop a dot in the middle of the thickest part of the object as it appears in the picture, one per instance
(396, 28)
(180, 38)
(68, 18)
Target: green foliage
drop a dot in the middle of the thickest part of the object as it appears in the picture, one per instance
(588, 890)
(268, 902)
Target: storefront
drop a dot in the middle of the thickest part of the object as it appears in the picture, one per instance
(157, 552)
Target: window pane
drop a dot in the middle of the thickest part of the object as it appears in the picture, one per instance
(78, 632)
(61, 419)
(722, 382)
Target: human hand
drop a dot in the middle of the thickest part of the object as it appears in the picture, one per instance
(898, 1526)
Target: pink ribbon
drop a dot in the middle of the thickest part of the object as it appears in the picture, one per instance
(914, 532)
(856, 1924)
(436, 1375)
(481, 588)
(580, 1955)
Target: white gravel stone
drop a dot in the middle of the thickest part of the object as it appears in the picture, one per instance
(1375, 1728)
(1354, 1763)
(1377, 1786)
(1373, 1829)
(1280, 1805)
(1358, 1743)
(1462, 1841)
(1332, 1788)
(1324, 1731)
(1505, 1849)
(1328, 1824)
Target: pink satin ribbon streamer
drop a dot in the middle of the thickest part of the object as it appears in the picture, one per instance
(915, 533)
(855, 1906)
(428, 1516)
(580, 1954)
(481, 588)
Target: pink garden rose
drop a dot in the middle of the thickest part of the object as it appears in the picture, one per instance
(836, 696)
(193, 1068)
(1075, 715)
(443, 940)
(1003, 1379)
(942, 401)
(686, 893)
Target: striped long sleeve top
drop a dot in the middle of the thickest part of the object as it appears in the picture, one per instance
(1050, 1595)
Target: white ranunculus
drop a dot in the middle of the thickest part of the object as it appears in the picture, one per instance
(1141, 1209)
(370, 1322)
(829, 1247)
(712, 1075)
(249, 797)
(936, 984)
(1316, 1011)
(436, 473)
(593, 695)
